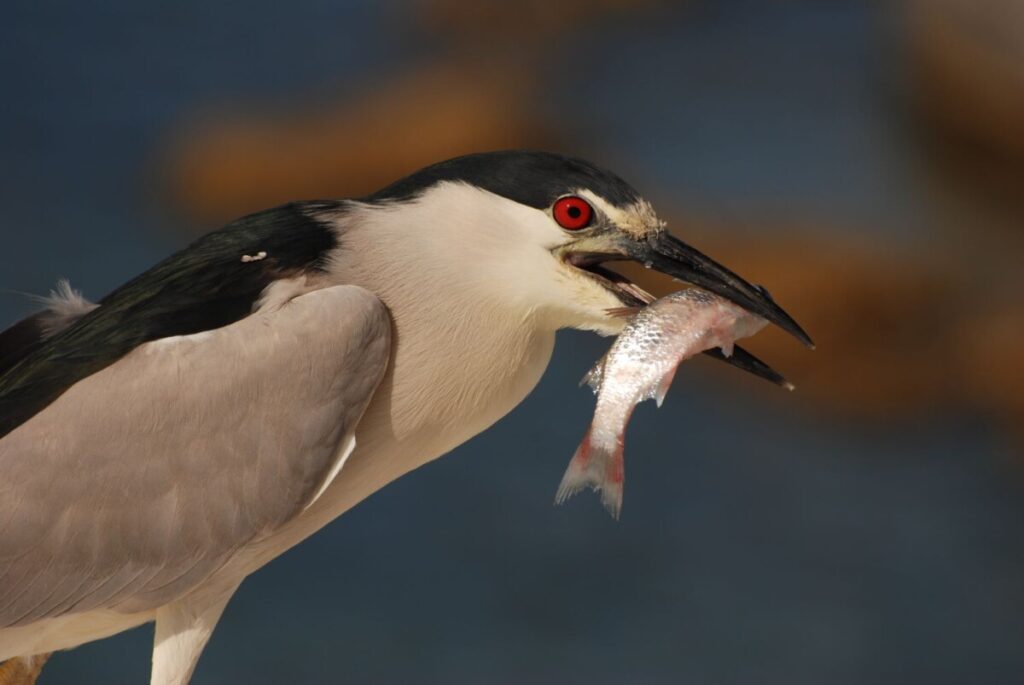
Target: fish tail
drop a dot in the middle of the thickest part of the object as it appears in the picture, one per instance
(599, 467)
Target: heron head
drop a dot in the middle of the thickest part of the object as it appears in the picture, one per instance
(535, 231)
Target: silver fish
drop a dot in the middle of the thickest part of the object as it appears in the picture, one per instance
(639, 366)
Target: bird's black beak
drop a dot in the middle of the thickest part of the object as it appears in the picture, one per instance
(671, 256)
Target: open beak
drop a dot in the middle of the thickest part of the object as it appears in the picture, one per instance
(745, 361)
(671, 256)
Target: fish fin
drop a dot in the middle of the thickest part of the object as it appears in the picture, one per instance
(623, 312)
(599, 468)
(663, 385)
(594, 376)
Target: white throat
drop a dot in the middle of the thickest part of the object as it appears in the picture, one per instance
(465, 352)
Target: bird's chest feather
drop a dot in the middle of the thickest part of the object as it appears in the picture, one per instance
(451, 378)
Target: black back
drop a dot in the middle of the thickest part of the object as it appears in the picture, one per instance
(207, 285)
(204, 286)
(18, 341)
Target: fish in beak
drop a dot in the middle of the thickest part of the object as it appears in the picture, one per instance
(641, 365)
(663, 252)
(671, 256)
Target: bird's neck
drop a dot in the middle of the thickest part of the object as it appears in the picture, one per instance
(460, 362)
(453, 374)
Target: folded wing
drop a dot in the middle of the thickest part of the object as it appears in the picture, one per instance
(142, 479)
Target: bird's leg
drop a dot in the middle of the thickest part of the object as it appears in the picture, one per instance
(22, 670)
(182, 629)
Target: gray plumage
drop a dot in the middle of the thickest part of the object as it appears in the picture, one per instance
(78, 530)
(158, 448)
(205, 286)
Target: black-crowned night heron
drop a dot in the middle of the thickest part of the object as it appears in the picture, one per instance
(161, 445)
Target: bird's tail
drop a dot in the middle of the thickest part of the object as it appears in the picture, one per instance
(600, 467)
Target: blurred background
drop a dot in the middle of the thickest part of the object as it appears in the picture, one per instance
(863, 160)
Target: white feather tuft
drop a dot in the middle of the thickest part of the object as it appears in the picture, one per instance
(64, 305)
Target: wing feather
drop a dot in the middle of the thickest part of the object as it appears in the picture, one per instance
(142, 479)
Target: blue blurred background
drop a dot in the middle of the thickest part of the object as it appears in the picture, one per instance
(861, 159)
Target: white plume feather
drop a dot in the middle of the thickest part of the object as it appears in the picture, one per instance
(64, 305)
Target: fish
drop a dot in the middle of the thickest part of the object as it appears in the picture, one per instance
(640, 365)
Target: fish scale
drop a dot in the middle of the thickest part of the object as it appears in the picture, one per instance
(640, 365)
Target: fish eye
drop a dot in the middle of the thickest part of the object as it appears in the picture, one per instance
(572, 213)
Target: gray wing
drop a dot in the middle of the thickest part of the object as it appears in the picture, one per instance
(143, 478)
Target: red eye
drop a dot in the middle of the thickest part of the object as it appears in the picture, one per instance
(572, 213)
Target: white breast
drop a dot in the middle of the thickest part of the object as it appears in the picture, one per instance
(459, 364)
